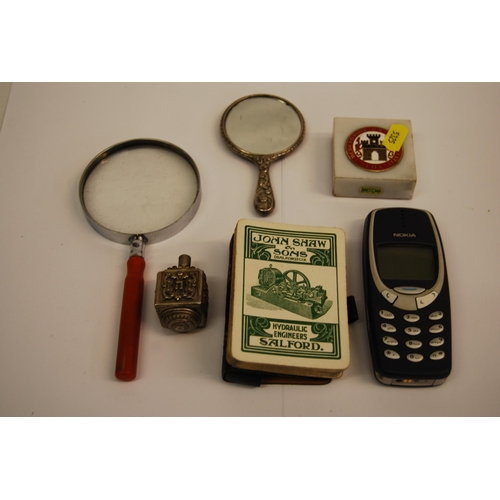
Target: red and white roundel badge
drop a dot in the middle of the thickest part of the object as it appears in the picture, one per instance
(364, 148)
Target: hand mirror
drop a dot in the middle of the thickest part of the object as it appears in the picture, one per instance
(262, 128)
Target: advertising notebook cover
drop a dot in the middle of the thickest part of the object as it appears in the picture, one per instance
(287, 302)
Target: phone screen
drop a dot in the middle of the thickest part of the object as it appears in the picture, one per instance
(406, 263)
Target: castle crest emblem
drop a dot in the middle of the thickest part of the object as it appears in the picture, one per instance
(364, 148)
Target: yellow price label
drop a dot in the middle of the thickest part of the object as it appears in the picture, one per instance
(395, 137)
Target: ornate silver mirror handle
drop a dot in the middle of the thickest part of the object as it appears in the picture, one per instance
(264, 197)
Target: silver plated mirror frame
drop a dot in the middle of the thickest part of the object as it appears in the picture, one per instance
(264, 198)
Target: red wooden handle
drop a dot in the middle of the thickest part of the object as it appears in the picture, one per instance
(130, 322)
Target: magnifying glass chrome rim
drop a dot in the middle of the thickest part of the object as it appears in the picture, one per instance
(248, 154)
(152, 236)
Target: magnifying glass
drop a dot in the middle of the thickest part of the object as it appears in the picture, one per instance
(262, 128)
(136, 192)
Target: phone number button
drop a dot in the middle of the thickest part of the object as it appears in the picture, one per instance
(437, 355)
(411, 318)
(389, 353)
(387, 327)
(413, 344)
(436, 315)
(415, 358)
(436, 328)
(389, 340)
(438, 341)
(386, 314)
(412, 330)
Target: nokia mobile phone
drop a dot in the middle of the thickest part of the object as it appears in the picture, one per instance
(406, 298)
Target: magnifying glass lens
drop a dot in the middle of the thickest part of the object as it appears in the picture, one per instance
(140, 190)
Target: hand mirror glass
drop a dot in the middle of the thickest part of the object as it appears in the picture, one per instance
(262, 128)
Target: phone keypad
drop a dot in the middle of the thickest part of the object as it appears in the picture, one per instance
(419, 346)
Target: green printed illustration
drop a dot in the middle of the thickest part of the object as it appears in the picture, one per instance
(258, 327)
(319, 257)
(260, 251)
(291, 290)
(290, 293)
(324, 332)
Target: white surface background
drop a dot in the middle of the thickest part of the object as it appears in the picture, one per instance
(61, 282)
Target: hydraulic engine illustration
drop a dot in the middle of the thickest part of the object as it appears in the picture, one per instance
(291, 290)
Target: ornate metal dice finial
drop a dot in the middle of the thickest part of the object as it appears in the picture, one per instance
(181, 297)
